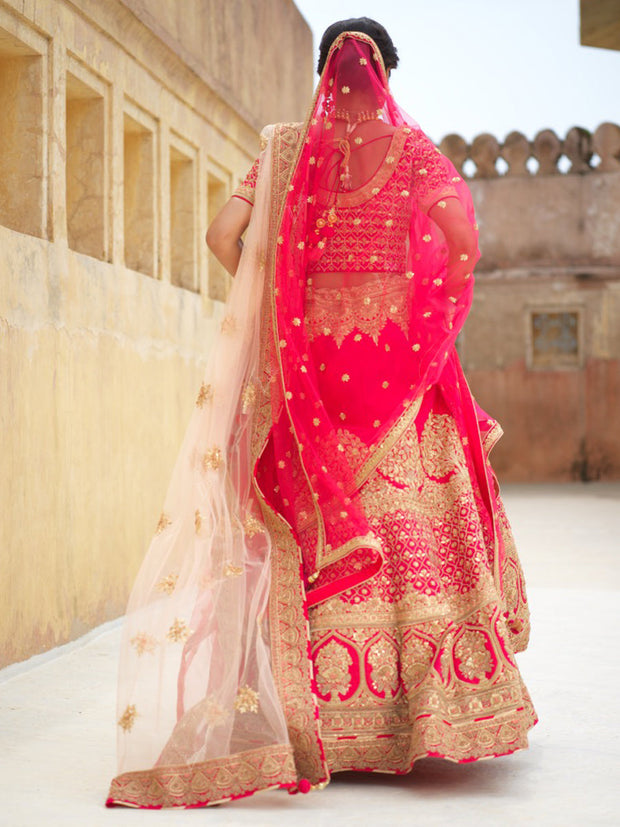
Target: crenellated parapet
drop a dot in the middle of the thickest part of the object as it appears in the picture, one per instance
(580, 152)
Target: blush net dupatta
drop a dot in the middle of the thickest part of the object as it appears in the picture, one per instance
(356, 144)
(199, 717)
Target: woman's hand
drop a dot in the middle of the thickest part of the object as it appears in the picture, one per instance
(225, 231)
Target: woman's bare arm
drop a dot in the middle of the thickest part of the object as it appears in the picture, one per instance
(225, 231)
(460, 236)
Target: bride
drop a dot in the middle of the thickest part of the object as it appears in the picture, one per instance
(333, 584)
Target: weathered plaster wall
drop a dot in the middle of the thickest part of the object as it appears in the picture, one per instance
(120, 136)
(550, 244)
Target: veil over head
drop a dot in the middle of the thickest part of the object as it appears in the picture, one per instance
(350, 144)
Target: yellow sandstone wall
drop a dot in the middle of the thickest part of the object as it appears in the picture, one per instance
(125, 125)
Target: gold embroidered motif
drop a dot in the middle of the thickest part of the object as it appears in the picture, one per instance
(167, 584)
(252, 526)
(179, 631)
(212, 459)
(417, 657)
(143, 643)
(246, 700)
(473, 655)
(366, 308)
(232, 571)
(442, 450)
(332, 663)
(164, 522)
(383, 658)
(127, 719)
(197, 521)
(204, 395)
(248, 397)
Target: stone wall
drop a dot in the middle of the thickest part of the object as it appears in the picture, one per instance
(125, 125)
(541, 347)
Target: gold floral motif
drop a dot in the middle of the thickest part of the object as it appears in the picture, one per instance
(179, 631)
(232, 571)
(383, 658)
(252, 526)
(164, 522)
(246, 700)
(416, 660)
(248, 397)
(204, 395)
(332, 663)
(197, 521)
(127, 719)
(212, 459)
(167, 584)
(441, 447)
(143, 643)
(473, 655)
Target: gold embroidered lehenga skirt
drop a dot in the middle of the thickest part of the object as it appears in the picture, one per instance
(419, 660)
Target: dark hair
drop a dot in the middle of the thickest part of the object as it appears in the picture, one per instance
(366, 26)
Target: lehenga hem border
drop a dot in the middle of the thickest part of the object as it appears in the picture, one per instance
(348, 754)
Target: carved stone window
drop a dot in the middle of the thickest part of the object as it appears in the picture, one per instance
(23, 140)
(183, 259)
(139, 189)
(87, 171)
(555, 337)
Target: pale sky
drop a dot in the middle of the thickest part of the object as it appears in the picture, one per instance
(472, 66)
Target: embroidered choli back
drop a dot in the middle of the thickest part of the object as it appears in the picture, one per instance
(370, 234)
(373, 221)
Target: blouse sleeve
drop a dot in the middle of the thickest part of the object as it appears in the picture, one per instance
(432, 176)
(246, 189)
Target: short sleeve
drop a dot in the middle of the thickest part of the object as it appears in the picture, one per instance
(246, 189)
(431, 173)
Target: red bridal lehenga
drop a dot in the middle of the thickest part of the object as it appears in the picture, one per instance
(333, 583)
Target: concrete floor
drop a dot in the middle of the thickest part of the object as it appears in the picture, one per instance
(57, 724)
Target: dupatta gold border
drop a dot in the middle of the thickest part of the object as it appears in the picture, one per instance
(205, 783)
(288, 619)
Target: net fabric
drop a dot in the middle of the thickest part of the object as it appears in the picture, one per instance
(195, 679)
(355, 218)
